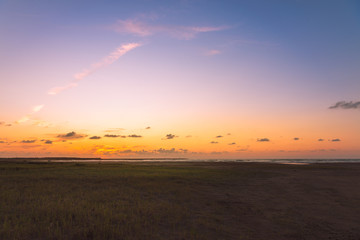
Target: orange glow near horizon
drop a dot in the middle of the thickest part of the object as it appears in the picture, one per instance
(139, 143)
(179, 83)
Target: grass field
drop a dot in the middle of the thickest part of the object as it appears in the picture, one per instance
(179, 201)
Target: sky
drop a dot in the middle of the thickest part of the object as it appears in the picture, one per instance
(193, 79)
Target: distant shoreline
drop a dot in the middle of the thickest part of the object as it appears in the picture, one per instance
(81, 159)
(169, 159)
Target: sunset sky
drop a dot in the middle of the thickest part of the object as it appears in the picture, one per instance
(194, 79)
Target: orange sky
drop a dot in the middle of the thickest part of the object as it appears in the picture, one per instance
(179, 79)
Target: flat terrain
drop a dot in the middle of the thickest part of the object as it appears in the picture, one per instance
(179, 201)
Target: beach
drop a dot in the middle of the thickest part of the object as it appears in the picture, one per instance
(179, 200)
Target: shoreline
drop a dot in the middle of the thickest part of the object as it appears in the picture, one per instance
(177, 160)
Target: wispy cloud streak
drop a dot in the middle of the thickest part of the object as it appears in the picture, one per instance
(37, 108)
(143, 29)
(26, 118)
(111, 58)
(212, 52)
(57, 90)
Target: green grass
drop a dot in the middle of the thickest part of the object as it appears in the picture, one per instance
(140, 201)
(101, 201)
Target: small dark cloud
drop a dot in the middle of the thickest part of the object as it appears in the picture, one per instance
(263, 140)
(170, 136)
(183, 150)
(323, 150)
(170, 151)
(289, 151)
(134, 136)
(213, 142)
(229, 134)
(127, 151)
(233, 143)
(2, 123)
(296, 139)
(147, 128)
(2, 141)
(162, 150)
(346, 105)
(48, 142)
(219, 136)
(28, 141)
(320, 139)
(241, 149)
(188, 136)
(95, 137)
(335, 140)
(71, 135)
(114, 136)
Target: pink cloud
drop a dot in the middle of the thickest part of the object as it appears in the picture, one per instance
(212, 52)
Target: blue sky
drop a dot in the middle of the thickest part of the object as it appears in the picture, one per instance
(269, 66)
